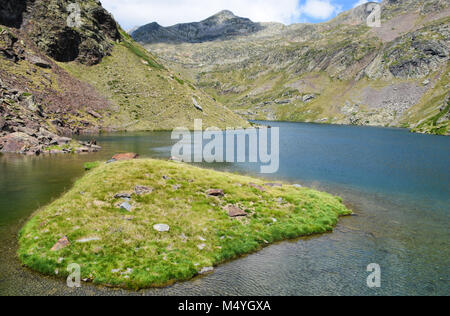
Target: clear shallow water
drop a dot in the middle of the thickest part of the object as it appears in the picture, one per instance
(398, 184)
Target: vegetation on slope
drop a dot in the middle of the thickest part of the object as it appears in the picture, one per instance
(120, 248)
(146, 95)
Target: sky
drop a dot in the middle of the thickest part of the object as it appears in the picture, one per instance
(131, 13)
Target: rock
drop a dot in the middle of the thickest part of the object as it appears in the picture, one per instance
(196, 105)
(176, 159)
(61, 244)
(273, 185)
(206, 270)
(308, 97)
(176, 187)
(234, 211)
(297, 186)
(142, 190)
(162, 228)
(82, 150)
(86, 240)
(126, 206)
(426, 82)
(125, 195)
(111, 161)
(183, 237)
(215, 192)
(63, 140)
(94, 114)
(201, 246)
(18, 142)
(166, 177)
(38, 61)
(126, 156)
(258, 187)
(2, 123)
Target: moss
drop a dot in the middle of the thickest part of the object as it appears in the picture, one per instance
(130, 253)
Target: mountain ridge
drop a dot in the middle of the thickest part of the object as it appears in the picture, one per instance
(340, 71)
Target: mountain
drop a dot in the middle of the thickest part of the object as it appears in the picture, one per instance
(340, 72)
(60, 77)
(221, 26)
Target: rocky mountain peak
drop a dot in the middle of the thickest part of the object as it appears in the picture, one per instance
(223, 16)
(220, 26)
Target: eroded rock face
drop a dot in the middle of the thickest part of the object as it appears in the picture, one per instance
(46, 23)
(11, 12)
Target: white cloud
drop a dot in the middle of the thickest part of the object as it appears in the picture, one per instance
(360, 2)
(168, 12)
(320, 9)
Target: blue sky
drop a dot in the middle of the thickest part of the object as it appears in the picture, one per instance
(132, 13)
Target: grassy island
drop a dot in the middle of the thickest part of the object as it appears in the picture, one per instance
(150, 223)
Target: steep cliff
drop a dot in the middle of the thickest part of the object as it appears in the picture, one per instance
(85, 75)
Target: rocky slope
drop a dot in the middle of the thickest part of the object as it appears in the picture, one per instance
(65, 76)
(341, 72)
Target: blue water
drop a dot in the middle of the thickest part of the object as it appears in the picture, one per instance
(397, 183)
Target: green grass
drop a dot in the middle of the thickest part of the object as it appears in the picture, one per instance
(128, 240)
(91, 165)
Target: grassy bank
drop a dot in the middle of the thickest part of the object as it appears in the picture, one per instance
(121, 248)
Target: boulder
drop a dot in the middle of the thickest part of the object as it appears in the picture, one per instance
(18, 142)
(94, 114)
(196, 105)
(142, 190)
(126, 206)
(206, 270)
(126, 156)
(215, 192)
(62, 243)
(308, 97)
(63, 140)
(122, 196)
(162, 228)
(38, 61)
(234, 211)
